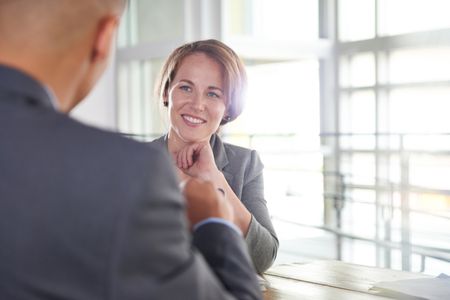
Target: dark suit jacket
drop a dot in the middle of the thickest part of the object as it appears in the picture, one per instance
(86, 214)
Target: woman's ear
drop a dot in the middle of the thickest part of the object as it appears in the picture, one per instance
(225, 119)
(226, 115)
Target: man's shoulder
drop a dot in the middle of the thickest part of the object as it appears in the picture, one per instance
(109, 145)
(98, 136)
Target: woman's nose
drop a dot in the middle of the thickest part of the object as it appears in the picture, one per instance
(198, 102)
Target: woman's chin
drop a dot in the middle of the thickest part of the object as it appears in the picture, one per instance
(189, 136)
(194, 138)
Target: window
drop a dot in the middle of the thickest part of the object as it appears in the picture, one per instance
(272, 20)
(391, 142)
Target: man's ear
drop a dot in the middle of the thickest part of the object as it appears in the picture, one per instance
(105, 37)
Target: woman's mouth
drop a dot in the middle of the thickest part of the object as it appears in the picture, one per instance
(193, 120)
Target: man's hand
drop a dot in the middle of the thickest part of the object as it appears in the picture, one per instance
(204, 201)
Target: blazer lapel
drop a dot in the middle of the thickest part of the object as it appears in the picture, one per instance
(220, 156)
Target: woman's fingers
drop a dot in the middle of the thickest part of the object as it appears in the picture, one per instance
(187, 156)
(179, 160)
(190, 155)
(197, 160)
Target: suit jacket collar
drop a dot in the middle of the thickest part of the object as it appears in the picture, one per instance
(13, 81)
(220, 155)
(217, 146)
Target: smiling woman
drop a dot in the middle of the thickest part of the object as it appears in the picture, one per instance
(196, 100)
(202, 86)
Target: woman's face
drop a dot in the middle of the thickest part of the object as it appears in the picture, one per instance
(197, 99)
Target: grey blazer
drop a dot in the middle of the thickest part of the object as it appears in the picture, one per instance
(243, 171)
(87, 214)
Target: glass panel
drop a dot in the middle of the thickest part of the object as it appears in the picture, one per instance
(123, 35)
(362, 70)
(287, 106)
(152, 21)
(383, 113)
(128, 96)
(358, 142)
(357, 116)
(394, 169)
(358, 168)
(435, 266)
(293, 239)
(363, 196)
(433, 63)
(423, 110)
(359, 219)
(294, 196)
(429, 230)
(396, 259)
(358, 252)
(139, 112)
(345, 123)
(344, 71)
(272, 20)
(429, 171)
(396, 234)
(358, 70)
(356, 19)
(416, 263)
(403, 16)
(427, 142)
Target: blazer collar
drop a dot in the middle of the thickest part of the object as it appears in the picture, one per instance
(13, 81)
(217, 146)
(220, 155)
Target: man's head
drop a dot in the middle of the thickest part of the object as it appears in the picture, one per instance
(65, 44)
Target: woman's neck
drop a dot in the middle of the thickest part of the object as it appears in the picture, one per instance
(174, 142)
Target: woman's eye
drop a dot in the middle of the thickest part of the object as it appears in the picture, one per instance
(185, 88)
(213, 95)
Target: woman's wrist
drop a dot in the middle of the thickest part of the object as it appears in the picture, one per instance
(214, 176)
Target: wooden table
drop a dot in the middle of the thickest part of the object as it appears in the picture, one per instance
(331, 280)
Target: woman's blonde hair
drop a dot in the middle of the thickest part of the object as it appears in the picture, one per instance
(235, 76)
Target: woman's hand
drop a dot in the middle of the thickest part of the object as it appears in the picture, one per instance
(197, 160)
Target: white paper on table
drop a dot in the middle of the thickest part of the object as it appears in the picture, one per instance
(263, 283)
(437, 288)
